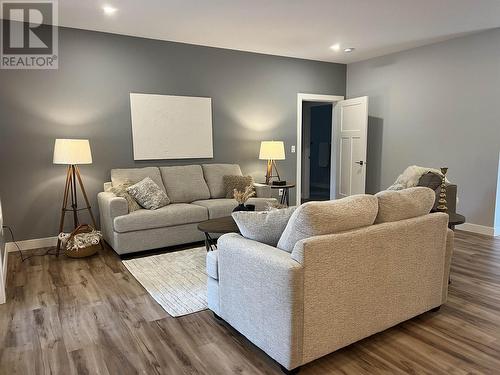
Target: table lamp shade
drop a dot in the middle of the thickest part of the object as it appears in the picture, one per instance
(72, 152)
(272, 150)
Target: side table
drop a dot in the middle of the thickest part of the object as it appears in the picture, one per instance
(285, 198)
(455, 219)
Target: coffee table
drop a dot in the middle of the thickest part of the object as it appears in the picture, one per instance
(224, 224)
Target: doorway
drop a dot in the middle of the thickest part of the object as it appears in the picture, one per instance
(303, 158)
(316, 150)
(347, 153)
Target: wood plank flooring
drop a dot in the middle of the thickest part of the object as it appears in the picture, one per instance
(90, 316)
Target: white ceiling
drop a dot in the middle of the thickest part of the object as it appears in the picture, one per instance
(294, 28)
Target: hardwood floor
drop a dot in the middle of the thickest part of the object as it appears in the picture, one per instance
(90, 316)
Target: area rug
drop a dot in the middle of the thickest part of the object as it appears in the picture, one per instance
(177, 280)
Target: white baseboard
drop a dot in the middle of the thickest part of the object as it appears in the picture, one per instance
(476, 228)
(36, 243)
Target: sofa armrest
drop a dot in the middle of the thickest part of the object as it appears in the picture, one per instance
(110, 206)
(262, 190)
(261, 295)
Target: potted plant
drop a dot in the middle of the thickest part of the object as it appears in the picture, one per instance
(241, 197)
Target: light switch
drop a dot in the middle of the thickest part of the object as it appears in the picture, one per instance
(293, 149)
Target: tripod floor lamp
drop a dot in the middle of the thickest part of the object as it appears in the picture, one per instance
(73, 152)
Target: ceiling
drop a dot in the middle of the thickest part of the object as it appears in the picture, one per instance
(304, 29)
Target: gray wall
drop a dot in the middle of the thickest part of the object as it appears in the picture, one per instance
(254, 98)
(436, 105)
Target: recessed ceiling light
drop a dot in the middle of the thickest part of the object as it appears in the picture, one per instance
(335, 47)
(349, 49)
(109, 10)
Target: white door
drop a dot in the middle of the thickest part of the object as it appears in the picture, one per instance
(351, 122)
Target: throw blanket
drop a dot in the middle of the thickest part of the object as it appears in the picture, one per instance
(410, 176)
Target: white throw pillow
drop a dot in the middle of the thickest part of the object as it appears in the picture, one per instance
(148, 194)
(263, 226)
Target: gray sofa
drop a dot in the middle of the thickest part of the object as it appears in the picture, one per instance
(196, 194)
(366, 264)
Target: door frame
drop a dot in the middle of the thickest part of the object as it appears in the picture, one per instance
(301, 97)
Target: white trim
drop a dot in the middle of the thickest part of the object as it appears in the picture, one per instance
(476, 228)
(36, 243)
(3, 277)
(307, 98)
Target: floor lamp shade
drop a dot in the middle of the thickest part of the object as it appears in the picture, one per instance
(72, 152)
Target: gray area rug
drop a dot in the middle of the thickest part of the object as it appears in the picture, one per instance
(177, 281)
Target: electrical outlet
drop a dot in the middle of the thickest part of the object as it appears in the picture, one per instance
(280, 192)
(292, 149)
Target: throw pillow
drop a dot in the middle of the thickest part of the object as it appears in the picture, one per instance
(240, 183)
(148, 194)
(121, 191)
(263, 226)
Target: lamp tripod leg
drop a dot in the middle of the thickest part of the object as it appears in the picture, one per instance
(84, 193)
(269, 171)
(64, 206)
(74, 199)
(276, 169)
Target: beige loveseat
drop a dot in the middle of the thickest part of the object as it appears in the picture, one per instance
(196, 193)
(342, 271)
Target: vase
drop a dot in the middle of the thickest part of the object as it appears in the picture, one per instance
(242, 207)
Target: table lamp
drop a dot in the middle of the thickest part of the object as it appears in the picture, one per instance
(272, 151)
(72, 152)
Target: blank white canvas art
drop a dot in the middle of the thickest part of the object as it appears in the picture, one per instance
(171, 127)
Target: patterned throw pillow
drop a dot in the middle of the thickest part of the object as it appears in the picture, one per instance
(148, 194)
(121, 191)
(239, 183)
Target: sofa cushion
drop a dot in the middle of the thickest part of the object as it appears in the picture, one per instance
(148, 194)
(171, 215)
(328, 217)
(395, 205)
(212, 264)
(263, 226)
(214, 174)
(185, 183)
(134, 175)
(224, 206)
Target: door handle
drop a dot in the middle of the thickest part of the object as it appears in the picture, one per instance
(361, 162)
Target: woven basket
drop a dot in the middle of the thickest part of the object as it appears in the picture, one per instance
(82, 252)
